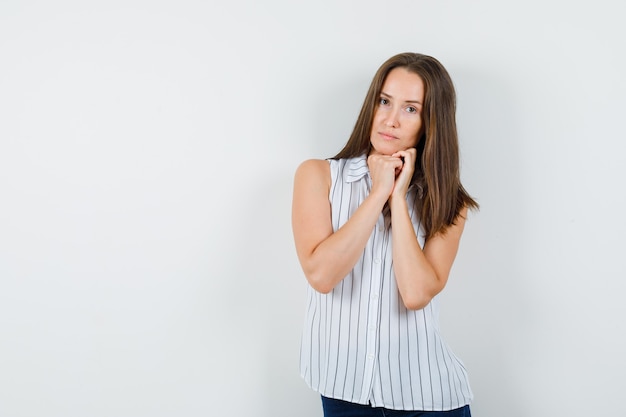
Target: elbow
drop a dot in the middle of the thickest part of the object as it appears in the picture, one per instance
(323, 277)
(416, 304)
(416, 296)
(416, 301)
(320, 282)
(322, 289)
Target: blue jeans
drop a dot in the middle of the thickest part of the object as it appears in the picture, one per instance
(339, 408)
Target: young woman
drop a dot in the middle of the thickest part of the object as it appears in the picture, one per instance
(377, 228)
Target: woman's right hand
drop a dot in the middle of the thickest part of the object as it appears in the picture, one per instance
(383, 169)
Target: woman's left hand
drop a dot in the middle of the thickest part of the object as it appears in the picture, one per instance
(403, 179)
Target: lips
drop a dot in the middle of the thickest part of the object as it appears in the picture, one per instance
(387, 136)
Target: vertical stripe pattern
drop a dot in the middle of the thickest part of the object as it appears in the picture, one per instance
(359, 342)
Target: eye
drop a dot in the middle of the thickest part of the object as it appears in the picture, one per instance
(411, 109)
(383, 101)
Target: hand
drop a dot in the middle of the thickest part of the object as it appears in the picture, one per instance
(403, 177)
(384, 169)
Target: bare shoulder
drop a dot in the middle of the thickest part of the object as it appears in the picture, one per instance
(313, 166)
(313, 171)
(455, 230)
(311, 214)
(461, 218)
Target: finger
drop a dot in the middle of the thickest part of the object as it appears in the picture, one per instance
(408, 157)
(411, 152)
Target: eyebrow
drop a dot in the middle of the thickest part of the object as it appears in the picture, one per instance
(408, 101)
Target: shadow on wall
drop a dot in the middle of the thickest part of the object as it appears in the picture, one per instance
(287, 394)
(486, 306)
(265, 299)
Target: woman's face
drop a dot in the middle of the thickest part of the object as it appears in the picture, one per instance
(397, 121)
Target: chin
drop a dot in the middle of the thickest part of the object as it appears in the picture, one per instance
(386, 150)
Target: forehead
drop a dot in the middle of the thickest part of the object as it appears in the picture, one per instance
(403, 83)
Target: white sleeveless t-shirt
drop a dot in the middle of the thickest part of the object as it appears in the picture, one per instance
(360, 343)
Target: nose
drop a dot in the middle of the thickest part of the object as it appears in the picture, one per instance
(392, 119)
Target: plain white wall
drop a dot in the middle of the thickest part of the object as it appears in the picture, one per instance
(147, 151)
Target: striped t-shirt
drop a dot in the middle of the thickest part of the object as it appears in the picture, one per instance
(360, 343)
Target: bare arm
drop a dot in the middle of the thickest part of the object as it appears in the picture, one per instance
(327, 257)
(421, 273)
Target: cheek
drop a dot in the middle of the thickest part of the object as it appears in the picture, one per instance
(416, 129)
(420, 129)
(377, 117)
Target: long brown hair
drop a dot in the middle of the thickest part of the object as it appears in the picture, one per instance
(437, 164)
